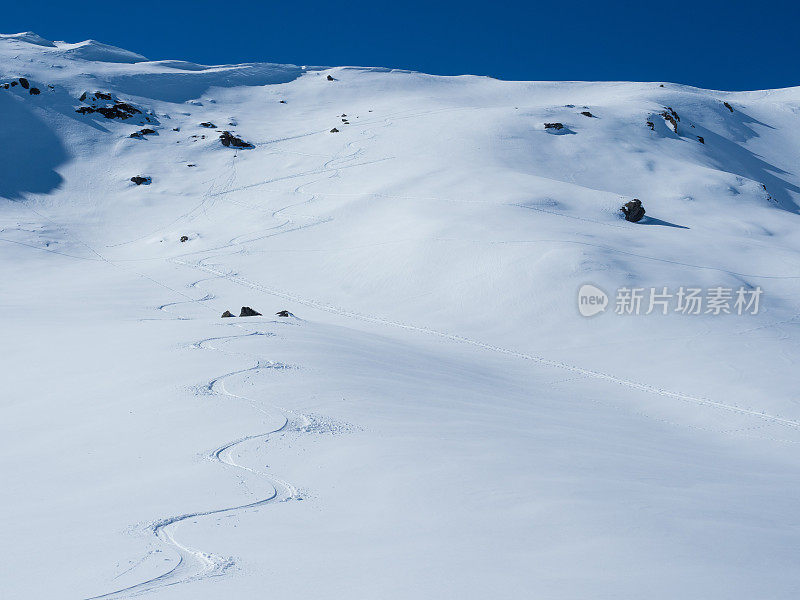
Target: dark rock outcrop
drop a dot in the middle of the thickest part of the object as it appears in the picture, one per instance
(673, 113)
(142, 132)
(208, 124)
(556, 126)
(115, 110)
(651, 125)
(334, 130)
(231, 141)
(701, 139)
(140, 179)
(227, 314)
(24, 83)
(249, 312)
(633, 210)
(728, 106)
(586, 113)
(330, 78)
(671, 117)
(284, 313)
(34, 91)
(184, 238)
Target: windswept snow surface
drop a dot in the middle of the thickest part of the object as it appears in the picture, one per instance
(438, 420)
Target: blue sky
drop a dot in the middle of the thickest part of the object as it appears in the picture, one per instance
(731, 45)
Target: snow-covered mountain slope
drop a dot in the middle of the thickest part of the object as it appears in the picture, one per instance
(438, 420)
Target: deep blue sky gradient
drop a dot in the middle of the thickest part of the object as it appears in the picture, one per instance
(731, 45)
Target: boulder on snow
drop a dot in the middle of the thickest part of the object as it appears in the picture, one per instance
(227, 314)
(633, 210)
(330, 78)
(34, 91)
(24, 83)
(728, 106)
(334, 130)
(231, 141)
(141, 179)
(95, 96)
(142, 132)
(184, 238)
(651, 125)
(556, 126)
(701, 139)
(586, 113)
(249, 312)
(284, 313)
(208, 124)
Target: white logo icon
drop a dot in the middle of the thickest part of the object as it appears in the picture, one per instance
(591, 300)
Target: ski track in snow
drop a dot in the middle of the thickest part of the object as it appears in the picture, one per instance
(461, 339)
(194, 564)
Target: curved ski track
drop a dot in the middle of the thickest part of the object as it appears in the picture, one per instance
(194, 564)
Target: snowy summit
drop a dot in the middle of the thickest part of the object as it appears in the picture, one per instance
(311, 332)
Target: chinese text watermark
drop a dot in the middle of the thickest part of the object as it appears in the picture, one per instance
(663, 300)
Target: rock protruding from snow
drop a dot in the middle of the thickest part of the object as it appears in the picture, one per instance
(284, 313)
(227, 314)
(671, 117)
(231, 141)
(141, 179)
(633, 210)
(249, 312)
(142, 133)
(184, 238)
(554, 126)
(110, 107)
